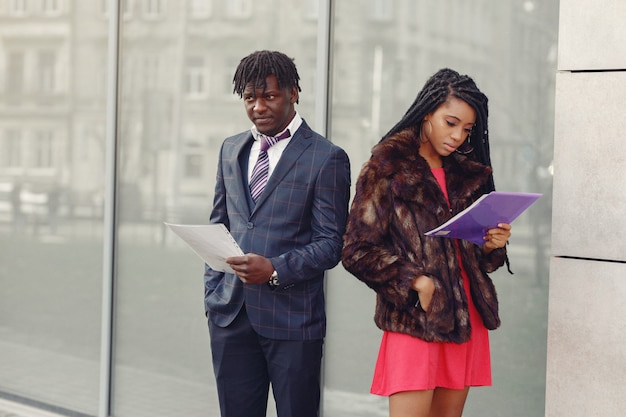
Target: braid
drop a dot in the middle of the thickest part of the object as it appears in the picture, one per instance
(257, 66)
(467, 91)
(443, 84)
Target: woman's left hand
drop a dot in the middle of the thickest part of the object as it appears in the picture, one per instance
(497, 237)
(425, 287)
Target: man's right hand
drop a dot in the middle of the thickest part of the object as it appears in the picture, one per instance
(251, 268)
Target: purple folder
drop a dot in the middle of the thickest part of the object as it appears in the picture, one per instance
(486, 212)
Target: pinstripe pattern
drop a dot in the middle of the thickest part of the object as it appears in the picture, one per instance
(297, 223)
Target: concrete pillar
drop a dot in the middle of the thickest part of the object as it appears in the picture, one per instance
(586, 362)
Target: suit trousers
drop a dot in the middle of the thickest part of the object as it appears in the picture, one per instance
(245, 364)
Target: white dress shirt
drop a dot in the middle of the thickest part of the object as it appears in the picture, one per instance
(273, 153)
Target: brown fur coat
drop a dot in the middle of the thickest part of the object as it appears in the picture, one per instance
(397, 200)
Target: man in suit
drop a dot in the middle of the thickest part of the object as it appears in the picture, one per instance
(267, 322)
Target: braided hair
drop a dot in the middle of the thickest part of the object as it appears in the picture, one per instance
(259, 65)
(449, 83)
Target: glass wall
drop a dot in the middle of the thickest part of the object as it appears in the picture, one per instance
(175, 106)
(52, 124)
(384, 51)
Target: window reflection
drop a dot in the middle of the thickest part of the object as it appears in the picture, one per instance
(239, 9)
(196, 77)
(507, 50)
(51, 173)
(18, 7)
(199, 9)
(176, 107)
(14, 86)
(381, 9)
(154, 9)
(52, 7)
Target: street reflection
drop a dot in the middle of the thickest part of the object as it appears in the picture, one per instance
(175, 107)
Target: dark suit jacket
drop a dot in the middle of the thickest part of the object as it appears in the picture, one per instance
(298, 223)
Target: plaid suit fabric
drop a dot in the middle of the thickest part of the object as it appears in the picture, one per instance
(298, 223)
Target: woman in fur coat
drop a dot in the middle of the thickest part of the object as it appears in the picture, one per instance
(435, 301)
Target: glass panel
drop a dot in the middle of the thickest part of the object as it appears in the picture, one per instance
(14, 85)
(199, 9)
(178, 59)
(153, 9)
(51, 185)
(171, 131)
(382, 58)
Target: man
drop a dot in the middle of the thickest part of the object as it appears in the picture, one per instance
(267, 322)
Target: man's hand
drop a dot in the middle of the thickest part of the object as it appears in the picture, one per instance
(251, 268)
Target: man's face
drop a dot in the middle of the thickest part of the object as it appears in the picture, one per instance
(270, 108)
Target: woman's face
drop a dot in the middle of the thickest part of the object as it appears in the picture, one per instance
(445, 129)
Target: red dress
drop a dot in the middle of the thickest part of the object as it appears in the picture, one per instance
(406, 363)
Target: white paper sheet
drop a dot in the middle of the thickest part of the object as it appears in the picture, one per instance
(211, 242)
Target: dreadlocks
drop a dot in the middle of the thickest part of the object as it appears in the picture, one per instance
(257, 66)
(443, 84)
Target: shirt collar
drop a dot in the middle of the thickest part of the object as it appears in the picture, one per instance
(292, 126)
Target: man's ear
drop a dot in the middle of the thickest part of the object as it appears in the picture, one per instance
(295, 95)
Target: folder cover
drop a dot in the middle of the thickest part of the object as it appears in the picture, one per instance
(484, 214)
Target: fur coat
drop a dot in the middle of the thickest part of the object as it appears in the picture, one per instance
(397, 200)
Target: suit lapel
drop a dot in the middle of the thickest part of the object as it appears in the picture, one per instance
(297, 145)
(241, 154)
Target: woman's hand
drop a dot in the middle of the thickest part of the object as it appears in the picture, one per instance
(425, 287)
(497, 237)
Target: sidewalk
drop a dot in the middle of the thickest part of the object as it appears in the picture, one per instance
(13, 409)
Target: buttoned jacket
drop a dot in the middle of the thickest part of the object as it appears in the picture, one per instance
(297, 223)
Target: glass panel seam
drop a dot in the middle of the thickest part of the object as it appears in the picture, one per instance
(322, 103)
(108, 258)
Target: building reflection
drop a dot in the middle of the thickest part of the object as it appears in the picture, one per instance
(176, 105)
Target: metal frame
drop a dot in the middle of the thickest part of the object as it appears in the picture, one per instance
(110, 203)
(323, 93)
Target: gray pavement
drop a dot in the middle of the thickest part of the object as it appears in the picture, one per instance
(14, 409)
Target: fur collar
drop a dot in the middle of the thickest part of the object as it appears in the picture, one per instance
(398, 159)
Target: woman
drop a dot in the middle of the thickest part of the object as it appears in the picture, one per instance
(435, 302)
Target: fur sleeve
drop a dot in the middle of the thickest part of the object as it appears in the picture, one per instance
(493, 261)
(368, 251)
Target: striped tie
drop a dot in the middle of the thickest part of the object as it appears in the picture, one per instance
(260, 172)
